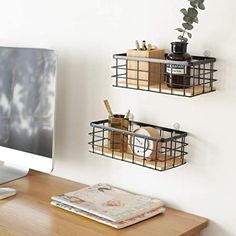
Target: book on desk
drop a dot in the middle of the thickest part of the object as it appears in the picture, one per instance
(109, 205)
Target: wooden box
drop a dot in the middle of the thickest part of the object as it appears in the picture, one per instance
(117, 140)
(142, 73)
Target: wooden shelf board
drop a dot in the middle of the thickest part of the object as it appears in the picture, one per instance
(128, 157)
(198, 89)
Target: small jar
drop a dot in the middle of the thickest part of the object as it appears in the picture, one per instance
(178, 76)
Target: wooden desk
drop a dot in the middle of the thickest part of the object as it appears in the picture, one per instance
(29, 213)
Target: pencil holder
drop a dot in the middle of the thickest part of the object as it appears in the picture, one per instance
(117, 140)
(141, 73)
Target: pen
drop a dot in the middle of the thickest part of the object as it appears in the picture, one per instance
(108, 107)
(127, 114)
(144, 47)
(137, 45)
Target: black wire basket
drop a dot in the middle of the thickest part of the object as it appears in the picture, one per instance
(163, 150)
(138, 73)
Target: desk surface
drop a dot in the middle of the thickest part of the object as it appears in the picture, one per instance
(29, 213)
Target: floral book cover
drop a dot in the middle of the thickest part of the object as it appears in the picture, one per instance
(109, 202)
(117, 225)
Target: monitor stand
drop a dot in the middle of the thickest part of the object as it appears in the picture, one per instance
(10, 172)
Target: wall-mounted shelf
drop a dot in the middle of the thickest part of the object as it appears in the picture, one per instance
(139, 76)
(168, 148)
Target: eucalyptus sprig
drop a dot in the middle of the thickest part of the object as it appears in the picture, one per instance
(190, 17)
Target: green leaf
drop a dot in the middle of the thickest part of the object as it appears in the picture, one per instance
(201, 6)
(194, 1)
(187, 26)
(183, 39)
(179, 29)
(195, 20)
(184, 11)
(188, 19)
(189, 35)
(200, 1)
(192, 12)
(193, 4)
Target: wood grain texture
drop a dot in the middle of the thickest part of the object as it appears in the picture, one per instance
(29, 213)
(117, 140)
(144, 73)
(129, 157)
(163, 88)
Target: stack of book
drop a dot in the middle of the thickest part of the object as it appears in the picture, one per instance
(109, 205)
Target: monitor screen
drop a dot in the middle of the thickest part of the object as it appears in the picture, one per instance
(27, 99)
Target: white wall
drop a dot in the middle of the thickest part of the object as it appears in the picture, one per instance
(85, 35)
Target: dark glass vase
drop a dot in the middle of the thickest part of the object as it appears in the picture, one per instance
(178, 76)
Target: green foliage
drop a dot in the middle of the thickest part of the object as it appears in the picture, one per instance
(201, 6)
(187, 26)
(190, 16)
(188, 19)
(184, 11)
(189, 35)
(182, 38)
(180, 30)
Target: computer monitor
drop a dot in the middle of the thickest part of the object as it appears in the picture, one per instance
(27, 102)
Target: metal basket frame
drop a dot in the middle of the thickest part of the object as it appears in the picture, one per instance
(170, 155)
(202, 75)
